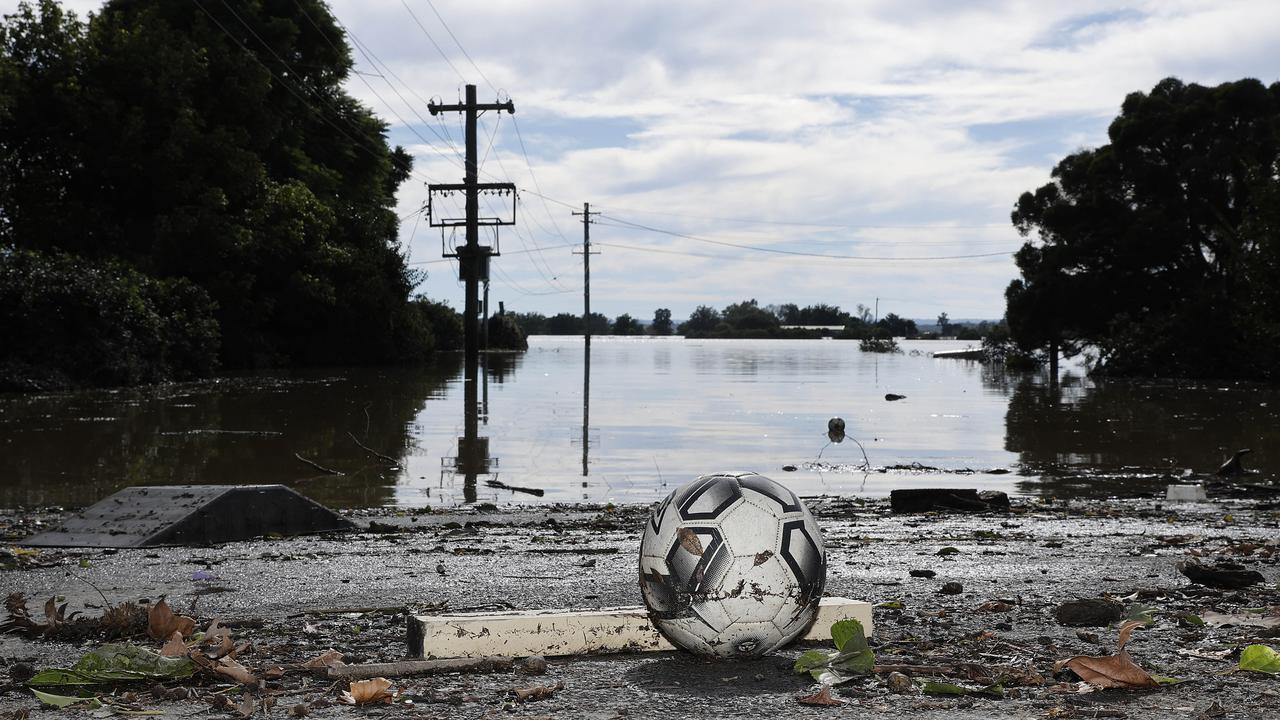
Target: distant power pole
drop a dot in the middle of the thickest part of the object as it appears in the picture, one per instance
(586, 271)
(473, 258)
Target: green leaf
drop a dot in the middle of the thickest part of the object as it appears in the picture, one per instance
(811, 659)
(891, 605)
(62, 701)
(846, 630)
(1139, 613)
(932, 687)
(116, 662)
(1260, 658)
(831, 676)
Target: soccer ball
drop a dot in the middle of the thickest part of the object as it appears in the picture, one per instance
(732, 566)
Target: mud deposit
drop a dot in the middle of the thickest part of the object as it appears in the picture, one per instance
(1005, 575)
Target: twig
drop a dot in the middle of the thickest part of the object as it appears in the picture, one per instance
(318, 466)
(373, 452)
(406, 668)
(95, 587)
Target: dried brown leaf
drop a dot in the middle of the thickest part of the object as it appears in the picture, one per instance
(690, 542)
(273, 673)
(1111, 671)
(537, 692)
(364, 692)
(162, 622)
(230, 669)
(174, 646)
(822, 697)
(327, 659)
(245, 707)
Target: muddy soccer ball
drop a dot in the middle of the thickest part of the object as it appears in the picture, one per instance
(732, 565)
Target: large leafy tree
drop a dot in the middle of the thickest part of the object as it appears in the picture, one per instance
(213, 141)
(1158, 249)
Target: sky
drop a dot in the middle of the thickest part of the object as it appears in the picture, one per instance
(890, 139)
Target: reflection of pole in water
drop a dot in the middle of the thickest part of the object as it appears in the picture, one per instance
(586, 401)
(473, 451)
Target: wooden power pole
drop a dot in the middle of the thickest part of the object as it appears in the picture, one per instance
(473, 258)
(586, 271)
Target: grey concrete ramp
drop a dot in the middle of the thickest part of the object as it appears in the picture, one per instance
(191, 515)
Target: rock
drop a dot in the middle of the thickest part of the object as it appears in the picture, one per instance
(952, 588)
(533, 665)
(1226, 576)
(21, 672)
(899, 683)
(789, 468)
(914, 500)
(926, 574)
(1096, 612)
(894, 396)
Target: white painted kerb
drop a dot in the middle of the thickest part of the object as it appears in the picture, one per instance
(566, 632)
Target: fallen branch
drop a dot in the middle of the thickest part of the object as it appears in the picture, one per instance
(408, 668)
(503, 486)
(318, 466)
(373, 452)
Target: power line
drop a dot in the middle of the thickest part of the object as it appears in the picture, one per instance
(455, 42)
(434, 44)
(794, 223)
(379, 154)
(796, 253)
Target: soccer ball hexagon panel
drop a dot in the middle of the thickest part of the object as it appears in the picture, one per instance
(732, 565)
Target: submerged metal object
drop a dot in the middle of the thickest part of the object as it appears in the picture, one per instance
(142, 516)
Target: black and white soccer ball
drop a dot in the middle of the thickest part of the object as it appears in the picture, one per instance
(732, 565)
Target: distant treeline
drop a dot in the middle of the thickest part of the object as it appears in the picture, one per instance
(747, 319)
(174, 200)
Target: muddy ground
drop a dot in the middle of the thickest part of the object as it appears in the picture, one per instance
(294, 598)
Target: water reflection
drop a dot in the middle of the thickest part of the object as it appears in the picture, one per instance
(1132, 437)
(74, 449)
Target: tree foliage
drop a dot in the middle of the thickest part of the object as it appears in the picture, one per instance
(69, 322)
(1158, 250)
(661, 322)
(626, 325)
(212, 142)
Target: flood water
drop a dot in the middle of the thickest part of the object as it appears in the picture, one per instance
(658, 412)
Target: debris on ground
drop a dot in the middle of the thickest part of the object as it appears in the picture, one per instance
(1089, 612)
(920, 500)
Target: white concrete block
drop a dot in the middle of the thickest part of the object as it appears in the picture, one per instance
(1185, 493)
(569, 632)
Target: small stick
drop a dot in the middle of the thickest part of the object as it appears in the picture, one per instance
(318, 466)
(406, 668)
(373, 452)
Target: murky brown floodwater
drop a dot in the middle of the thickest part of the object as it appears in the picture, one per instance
(660, 411)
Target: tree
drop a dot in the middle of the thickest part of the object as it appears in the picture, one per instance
(703, 319)
(944, 324)
(1155, 249)
(893, 326)
(748, 315)
(564, 324)
(626, 325)
(661, 322)
(531, 323)
(213, 142)
(864, 314)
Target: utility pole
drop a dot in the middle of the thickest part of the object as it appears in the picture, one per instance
(586, 272)
(473, 258)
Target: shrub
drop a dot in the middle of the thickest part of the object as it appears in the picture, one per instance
(67, 322)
